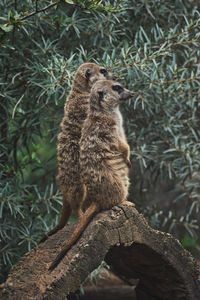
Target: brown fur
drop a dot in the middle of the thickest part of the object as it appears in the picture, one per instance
(75, 113)
(104, 156)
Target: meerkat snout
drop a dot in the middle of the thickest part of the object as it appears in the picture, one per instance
(124, 93)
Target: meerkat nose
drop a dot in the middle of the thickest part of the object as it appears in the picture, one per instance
(131, 93)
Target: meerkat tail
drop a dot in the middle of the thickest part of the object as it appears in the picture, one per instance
(64, 216)
(83, 222)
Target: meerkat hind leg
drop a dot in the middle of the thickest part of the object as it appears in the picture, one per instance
(79, 213)
(78, 200)
(64, 216)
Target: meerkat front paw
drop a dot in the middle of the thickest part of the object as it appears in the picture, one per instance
(128, 162)
(128, 203)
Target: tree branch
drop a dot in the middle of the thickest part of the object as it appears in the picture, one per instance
(37, 11)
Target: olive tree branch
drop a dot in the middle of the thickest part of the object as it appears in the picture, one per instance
(37, 11)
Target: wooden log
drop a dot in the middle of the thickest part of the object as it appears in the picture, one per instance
(123, 238)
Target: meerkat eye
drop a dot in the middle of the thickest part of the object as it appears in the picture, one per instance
(104, 72)
(117, 88)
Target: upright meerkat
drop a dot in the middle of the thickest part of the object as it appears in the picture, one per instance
(104, 155)
(75, 112)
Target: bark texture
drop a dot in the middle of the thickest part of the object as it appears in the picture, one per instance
(123, 239)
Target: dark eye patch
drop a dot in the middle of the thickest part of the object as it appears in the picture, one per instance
(104, 72)
(117, 88)
(101, 94)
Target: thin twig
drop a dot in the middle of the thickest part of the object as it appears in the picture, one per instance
(37, 11)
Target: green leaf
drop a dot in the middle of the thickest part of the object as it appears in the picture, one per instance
(69, 1)
(10, 15)
(7, 28)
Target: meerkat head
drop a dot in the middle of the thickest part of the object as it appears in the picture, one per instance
(88, 73)
(107, 95)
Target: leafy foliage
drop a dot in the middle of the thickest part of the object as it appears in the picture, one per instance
(153, 48)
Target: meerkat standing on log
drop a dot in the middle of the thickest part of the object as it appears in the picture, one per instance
(104, 156)
(75, 112)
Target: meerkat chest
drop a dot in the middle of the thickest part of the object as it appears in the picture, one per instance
(119, 121)
(118, 117)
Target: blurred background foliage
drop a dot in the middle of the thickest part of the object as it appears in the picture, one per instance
(153, 47)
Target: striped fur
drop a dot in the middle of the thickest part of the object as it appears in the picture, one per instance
(104, 157)
(75, 112)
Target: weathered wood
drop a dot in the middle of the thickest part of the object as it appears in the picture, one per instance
(123, 238)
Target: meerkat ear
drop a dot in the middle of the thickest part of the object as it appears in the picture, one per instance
(101, 94)
(88, 74)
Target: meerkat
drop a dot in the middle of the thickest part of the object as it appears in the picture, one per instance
(104, 156)
(75, 112)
